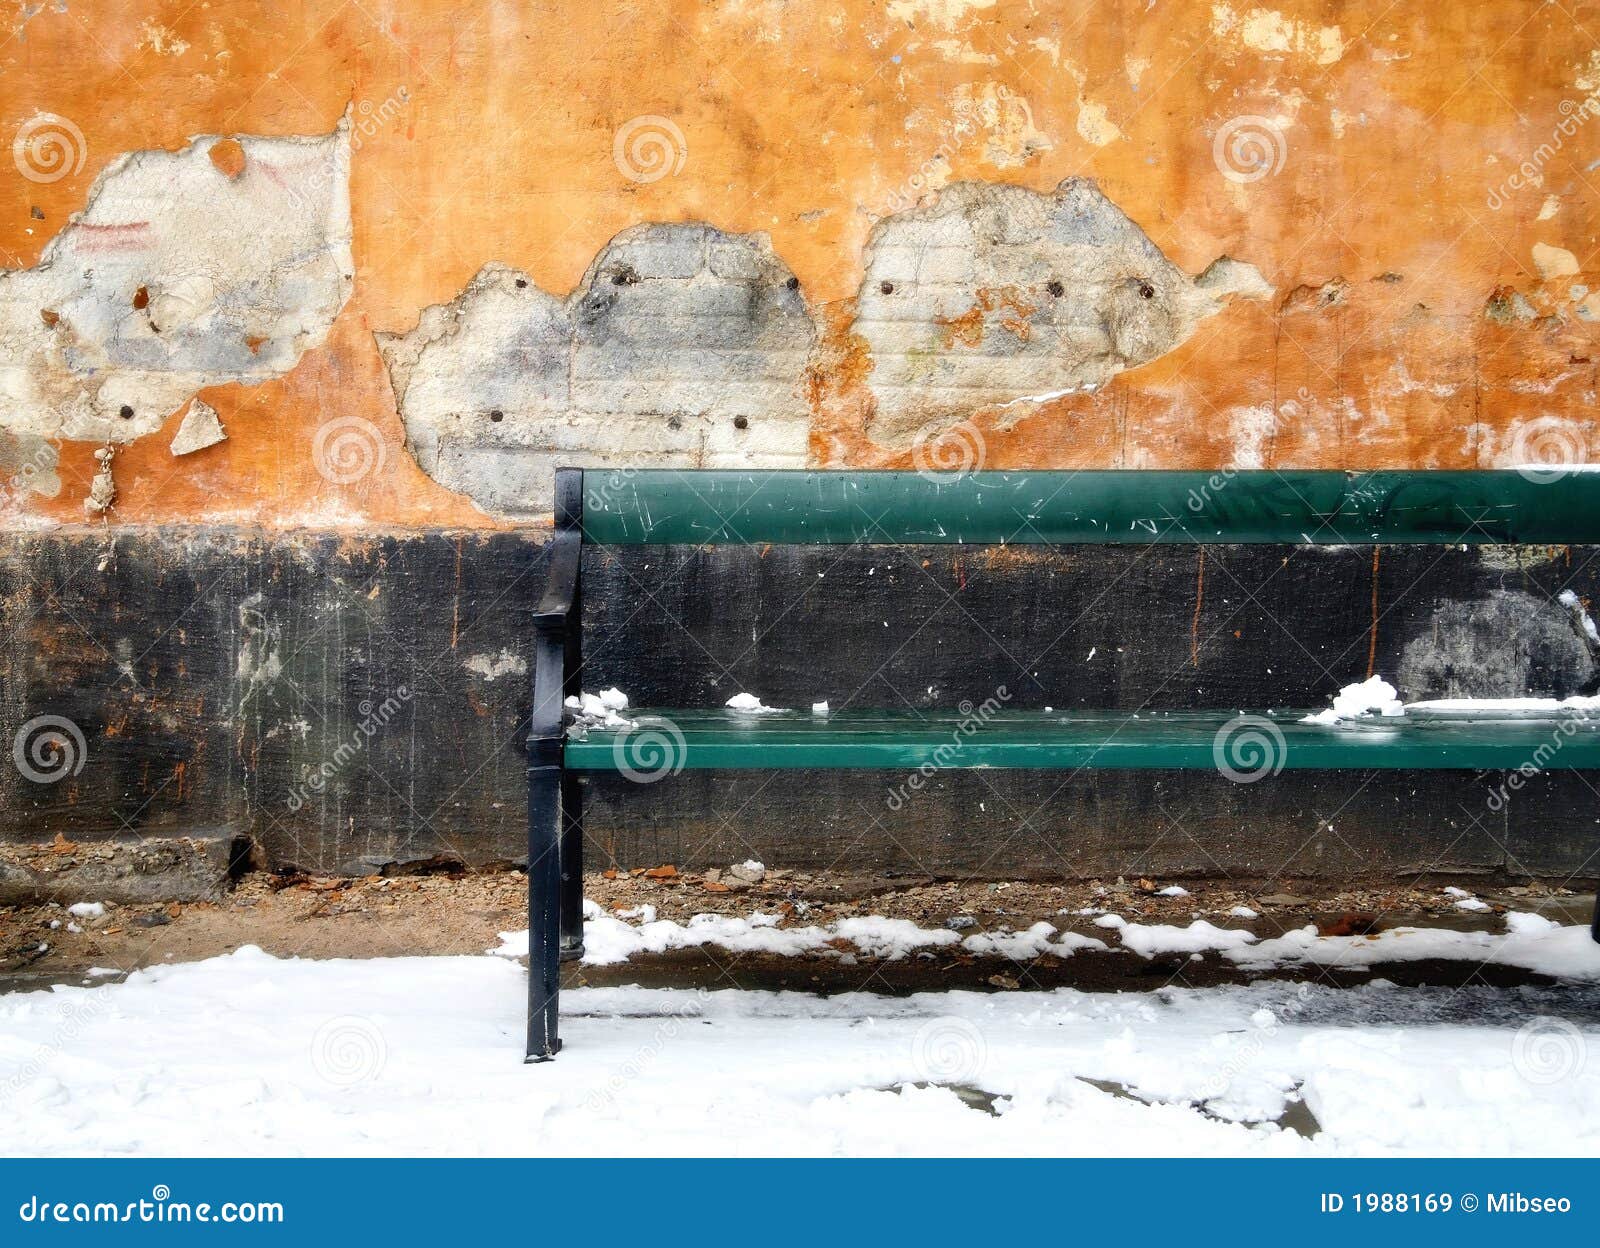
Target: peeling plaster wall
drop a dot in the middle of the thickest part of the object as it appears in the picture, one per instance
(1411, 185)
(682, 347)
(993, 295)
(222, 262)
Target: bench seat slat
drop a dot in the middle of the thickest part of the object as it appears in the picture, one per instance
(1140, 507)
(671, 740)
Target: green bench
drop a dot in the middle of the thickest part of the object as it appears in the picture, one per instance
(663, 507)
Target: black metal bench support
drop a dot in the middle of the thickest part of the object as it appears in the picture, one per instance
(555, 802)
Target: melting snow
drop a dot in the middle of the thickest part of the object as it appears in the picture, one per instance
(1375, 694)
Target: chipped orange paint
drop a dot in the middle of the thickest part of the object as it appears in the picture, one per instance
(810, 122)
(967, 329)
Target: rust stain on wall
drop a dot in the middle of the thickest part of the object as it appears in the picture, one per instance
(1413, 183)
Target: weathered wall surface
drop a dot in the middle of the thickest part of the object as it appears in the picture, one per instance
(340, 702)
(944, 231)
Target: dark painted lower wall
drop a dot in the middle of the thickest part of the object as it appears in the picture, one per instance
(344, 702)
(353, 703)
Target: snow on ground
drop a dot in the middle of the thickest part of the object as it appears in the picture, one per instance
(609, 939)
(1530, 942)
(263, 1056)
(249, 1054)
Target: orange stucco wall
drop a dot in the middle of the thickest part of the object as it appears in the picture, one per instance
(1393, 131)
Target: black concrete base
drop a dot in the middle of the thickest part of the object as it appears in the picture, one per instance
(1332, 826)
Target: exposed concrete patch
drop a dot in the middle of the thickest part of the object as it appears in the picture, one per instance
(1506, 307)
(683, 346)
(188, 868)
(1315, 298)
(991, 294)
(103, 489)
(944, 13)
(1094, 125)
(201, 427)
(493, 666)
(1510, 644)
(177, 275)
(27, 466)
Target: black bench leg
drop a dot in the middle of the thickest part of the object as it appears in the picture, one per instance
(1594, 923)
(544, 911)
(571, 867)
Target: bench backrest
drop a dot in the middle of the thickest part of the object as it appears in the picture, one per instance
(1543, 506)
